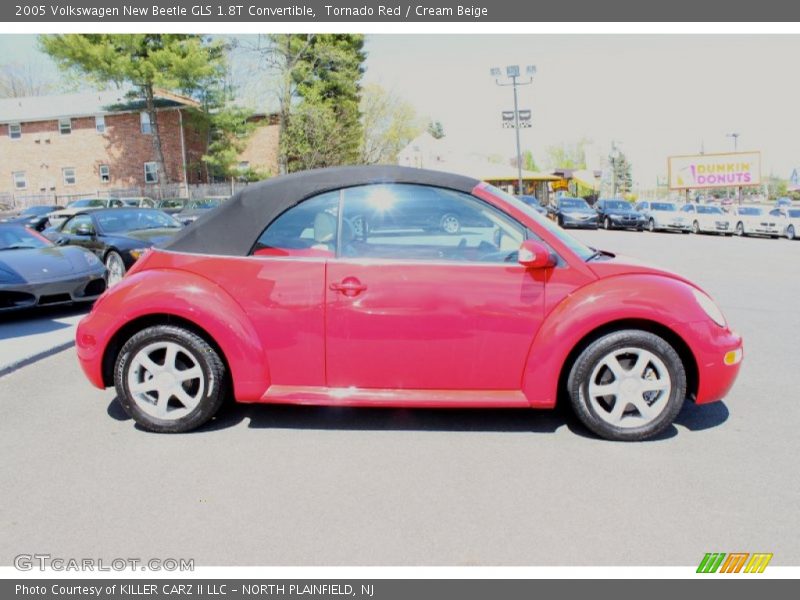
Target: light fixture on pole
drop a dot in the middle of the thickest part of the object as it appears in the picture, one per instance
(735, 137)
(520, 118)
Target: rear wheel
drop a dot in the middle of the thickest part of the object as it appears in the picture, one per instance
(169, 379)
(628, 385)
(695, 227)
(790, 232)
(740, 229)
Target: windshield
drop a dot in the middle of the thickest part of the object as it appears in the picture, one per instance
(18, 238)
(618, 204)
(664, 206)
(36, 210)
(794, 213)
(573, 244)
(709, 210)
(88, 202)
(205, 203)
(572, 203)
(121, 220)
(750, 210)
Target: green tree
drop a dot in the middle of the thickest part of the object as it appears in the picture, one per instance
(389, 124)
(147, 61)
(436, 129)
(622, 181)
(567, 156)
(528, 163)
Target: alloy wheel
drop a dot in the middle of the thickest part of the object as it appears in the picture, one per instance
(116, 268)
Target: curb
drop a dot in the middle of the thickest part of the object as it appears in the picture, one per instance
(35, 358)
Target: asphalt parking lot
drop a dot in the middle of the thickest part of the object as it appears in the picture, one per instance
(276, 485)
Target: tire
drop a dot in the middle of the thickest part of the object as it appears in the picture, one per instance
(790, 234)
(740, 229)
(629, 418)
(695, 227)
(651, 226)
(203, 390)
(115, 266)
(606, 223)
(450, 223)
(560, 222)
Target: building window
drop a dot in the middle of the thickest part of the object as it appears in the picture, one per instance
(20, 183)
(100, 123)
(14, 131)
(65, 126)
(150, 172)
(69, 175)
(105, 174)
(144, 121)
(243, 165)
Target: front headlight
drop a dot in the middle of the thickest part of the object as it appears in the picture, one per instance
(709, 307)
(137, 253)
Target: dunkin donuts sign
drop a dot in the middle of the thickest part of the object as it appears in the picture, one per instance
(714, 170)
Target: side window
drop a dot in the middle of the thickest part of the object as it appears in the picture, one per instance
(776, 213)
(72, 225)
(308, 229)
(416, 222)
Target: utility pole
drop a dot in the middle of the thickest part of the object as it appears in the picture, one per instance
(513, 73)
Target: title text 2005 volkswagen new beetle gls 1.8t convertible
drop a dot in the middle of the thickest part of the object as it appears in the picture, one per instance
(276, 296)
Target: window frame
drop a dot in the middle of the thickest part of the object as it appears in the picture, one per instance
(24, 175)
(64, 175)
(144, 119)
(19, 131)
(100, 124)
(107, 175)
(526, 232)
(155, 171)
(65, 121)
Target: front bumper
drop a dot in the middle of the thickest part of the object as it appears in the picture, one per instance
(576, 223)
(85, 287)
(718, 352)
(621, 223)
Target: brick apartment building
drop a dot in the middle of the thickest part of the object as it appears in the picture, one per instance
(55, 148)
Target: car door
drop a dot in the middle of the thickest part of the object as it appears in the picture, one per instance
(408, 307)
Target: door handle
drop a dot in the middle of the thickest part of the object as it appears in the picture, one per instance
(349, 286)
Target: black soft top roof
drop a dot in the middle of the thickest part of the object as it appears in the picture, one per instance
(233, 228)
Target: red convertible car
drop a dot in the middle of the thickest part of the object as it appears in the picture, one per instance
(277, 297)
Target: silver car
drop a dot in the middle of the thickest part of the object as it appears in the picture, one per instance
(756, 220)
(789, 219)
(663, 216)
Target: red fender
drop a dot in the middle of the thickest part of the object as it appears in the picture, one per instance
(660, 299)
(190, 297)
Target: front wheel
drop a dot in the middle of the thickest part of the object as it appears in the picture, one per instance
(115, 266)
(695, 227)
(169, 380)
(651, 226)
(606, 223)
(740, 229)
(790, 234)
(628, 385)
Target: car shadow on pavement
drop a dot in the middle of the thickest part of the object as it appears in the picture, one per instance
(37, 320)
(285, 416)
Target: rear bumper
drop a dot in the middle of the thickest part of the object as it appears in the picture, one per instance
(711, 345)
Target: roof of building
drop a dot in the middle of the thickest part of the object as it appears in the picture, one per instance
(81, 104)
(233, 228)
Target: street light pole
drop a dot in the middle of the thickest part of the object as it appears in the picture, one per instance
(512, 72)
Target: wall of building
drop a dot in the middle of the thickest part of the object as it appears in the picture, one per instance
(43, 152)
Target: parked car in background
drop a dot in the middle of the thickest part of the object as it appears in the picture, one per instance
(117, 236)
(706, 218)
(534, 203)
(172, 206)
(756, 220)
(58, 217)
(34, 217)
(663, 216)
(194, 209)
(573, 212)
(295, 308)
(789, 219)
(618, 214)
(33, 272)
(138, 202)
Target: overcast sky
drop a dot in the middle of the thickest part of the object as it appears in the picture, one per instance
(656, 95)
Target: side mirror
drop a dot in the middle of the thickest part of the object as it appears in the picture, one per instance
(535, 255)
(84, 230)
